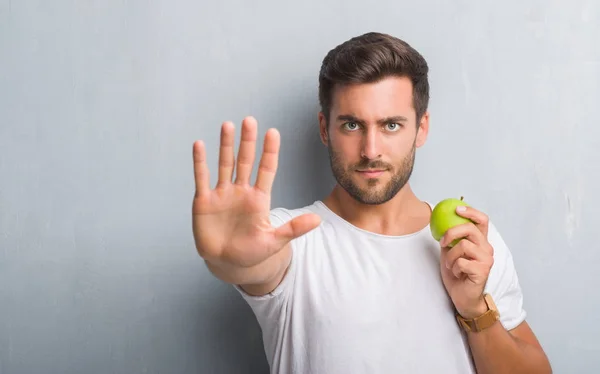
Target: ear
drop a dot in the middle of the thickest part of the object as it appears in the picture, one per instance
(323, 129)
(423, 130)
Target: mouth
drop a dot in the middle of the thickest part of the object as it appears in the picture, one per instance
(371, 173)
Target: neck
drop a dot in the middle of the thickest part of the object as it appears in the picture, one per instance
(402, 215)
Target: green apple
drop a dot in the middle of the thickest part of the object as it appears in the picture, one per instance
(444, 217)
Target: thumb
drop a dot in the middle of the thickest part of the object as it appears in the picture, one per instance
(296, 227)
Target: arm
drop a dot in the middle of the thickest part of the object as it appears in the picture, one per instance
(467, 274)
(232, 223)
(497, 351)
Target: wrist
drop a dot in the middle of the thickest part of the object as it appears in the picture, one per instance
(479, 317)
(477, 310)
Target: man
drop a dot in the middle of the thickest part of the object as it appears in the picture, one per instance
(356, 283)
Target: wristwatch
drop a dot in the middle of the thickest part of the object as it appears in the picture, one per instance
(482, 322)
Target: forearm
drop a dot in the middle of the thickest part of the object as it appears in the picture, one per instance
(496, 351)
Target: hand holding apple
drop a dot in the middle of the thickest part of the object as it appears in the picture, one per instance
(466, 255)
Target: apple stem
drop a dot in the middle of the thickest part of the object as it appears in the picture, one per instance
(461, 198)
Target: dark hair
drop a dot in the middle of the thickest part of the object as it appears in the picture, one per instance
(369, 58)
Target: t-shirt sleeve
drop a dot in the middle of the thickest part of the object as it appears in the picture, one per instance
(503, 283)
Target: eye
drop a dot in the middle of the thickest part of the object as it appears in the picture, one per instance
(393, 126)
(351, 126)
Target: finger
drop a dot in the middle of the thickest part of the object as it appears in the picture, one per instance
(480, 219)
(201, 174)
(465, 231)
(226, 154)
(464, 249)
(462, 266)
(246, 153)
(474, 270)
(268, 161)
(296, 227)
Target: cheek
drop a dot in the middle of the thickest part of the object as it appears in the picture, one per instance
(393, 145)
(398, 149)
(346, 148)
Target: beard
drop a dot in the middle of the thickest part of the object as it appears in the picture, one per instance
(372, 195)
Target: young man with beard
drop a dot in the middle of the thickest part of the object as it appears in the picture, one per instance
(355, 283)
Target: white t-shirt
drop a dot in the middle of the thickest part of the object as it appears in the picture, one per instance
(358, 302)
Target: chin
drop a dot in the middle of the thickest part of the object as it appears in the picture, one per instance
(372, 199)
(370, 195)
(373, 183)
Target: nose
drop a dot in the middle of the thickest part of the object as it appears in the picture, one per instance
(370, 148)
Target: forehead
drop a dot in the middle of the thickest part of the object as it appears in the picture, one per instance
(391, 96)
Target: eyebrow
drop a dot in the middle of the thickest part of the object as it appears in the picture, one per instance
(383, 121)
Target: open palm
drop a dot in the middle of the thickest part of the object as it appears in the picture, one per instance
(231, 222)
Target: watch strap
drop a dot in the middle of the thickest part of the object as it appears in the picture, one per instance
(483, 321)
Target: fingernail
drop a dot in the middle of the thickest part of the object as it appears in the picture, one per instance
(461, 208)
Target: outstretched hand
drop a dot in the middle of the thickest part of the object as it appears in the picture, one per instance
(231, 222)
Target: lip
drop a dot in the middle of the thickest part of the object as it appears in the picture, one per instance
(371, 173)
